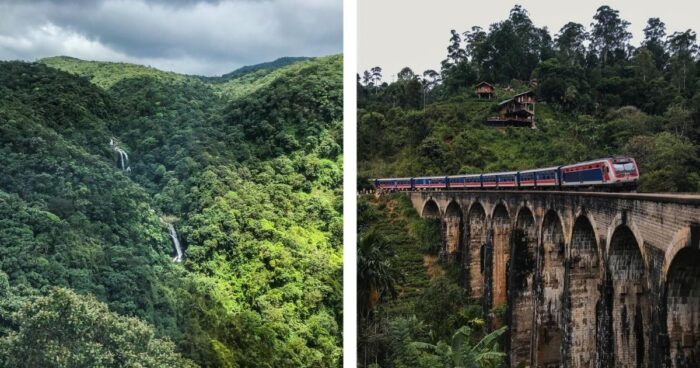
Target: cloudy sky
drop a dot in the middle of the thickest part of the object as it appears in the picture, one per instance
(415, 33)
(206, 37)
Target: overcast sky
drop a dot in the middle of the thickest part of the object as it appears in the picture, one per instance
(206, 37)
(415, 33)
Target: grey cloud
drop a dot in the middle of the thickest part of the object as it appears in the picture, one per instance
(206, 37)
(91, 3)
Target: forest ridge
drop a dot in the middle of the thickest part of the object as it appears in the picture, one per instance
(597, 94)
(247, 168)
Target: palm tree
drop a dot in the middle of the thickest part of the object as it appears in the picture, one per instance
(375, 274)
(461, 354)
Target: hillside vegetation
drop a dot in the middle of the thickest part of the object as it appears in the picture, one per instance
(597, 96)
(251, 183)
(412, 310)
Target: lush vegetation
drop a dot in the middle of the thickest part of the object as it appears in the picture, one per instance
(248, 171)
(412, 310)
(248, 69)
(598, 95)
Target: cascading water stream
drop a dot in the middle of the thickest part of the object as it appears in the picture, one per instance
(176, 243)
(123, 156)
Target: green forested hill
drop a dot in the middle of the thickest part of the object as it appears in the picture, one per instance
(250, 182)
(266, 66)
(598, 95)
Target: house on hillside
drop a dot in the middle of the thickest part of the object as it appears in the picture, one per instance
(518, 111)
(485, 90)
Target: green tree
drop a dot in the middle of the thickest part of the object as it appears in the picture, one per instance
(654, 33)
(375, 274)
(609, 35)
(644, 64)
(663, 161)
(682, 48)
(64, 329)
(570, 43)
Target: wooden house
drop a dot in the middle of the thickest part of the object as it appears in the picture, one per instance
(518, 111)
(485, 90)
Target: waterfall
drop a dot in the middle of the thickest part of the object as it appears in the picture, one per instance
(176, 243)
(123, 156)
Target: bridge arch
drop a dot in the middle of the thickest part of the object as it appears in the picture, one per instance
(622, 220)
(500, 208)
(473, 259)
(682, 301)
(430, 209)
(583, 296)
(682, 239)
(521, 281)
(525, 219)
(630, 307)
(453, 230)
(581, 212)
(549, 336)
(501, 227)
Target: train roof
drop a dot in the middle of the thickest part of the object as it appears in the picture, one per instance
(614, 159)
(587, 162)
(464, 176)
(540, 169)
(430, 177)
(386, 179)
(502, 173)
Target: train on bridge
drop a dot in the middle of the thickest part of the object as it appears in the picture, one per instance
(605, 174)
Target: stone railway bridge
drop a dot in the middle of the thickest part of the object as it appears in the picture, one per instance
(585, 279)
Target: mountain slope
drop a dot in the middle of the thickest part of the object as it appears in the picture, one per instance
(267, 66)
(260, 222)
(106, 74)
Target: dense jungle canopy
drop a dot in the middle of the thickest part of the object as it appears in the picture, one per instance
(98, 159)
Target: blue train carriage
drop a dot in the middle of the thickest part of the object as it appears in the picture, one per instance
(500, 180)
(430, 182)
(613, 173)
(393, 184)
(464, 181)
(545, 178)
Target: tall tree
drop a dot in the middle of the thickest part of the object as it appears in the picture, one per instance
(430, 80)
(376, 77)
(375, 272)
(474, 38)
(682, 48)
(406, 74)
(570, 43)
(654, 34)
(609, 35)
(512, 48)
(682, 43)
(644, 64)
(366, 78)
(457, 74)
(455, 53)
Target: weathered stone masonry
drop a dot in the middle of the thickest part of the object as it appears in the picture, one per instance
(589, 279)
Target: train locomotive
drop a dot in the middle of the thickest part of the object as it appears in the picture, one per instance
(605, 174)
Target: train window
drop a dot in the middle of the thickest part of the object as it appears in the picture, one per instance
(624, 168)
